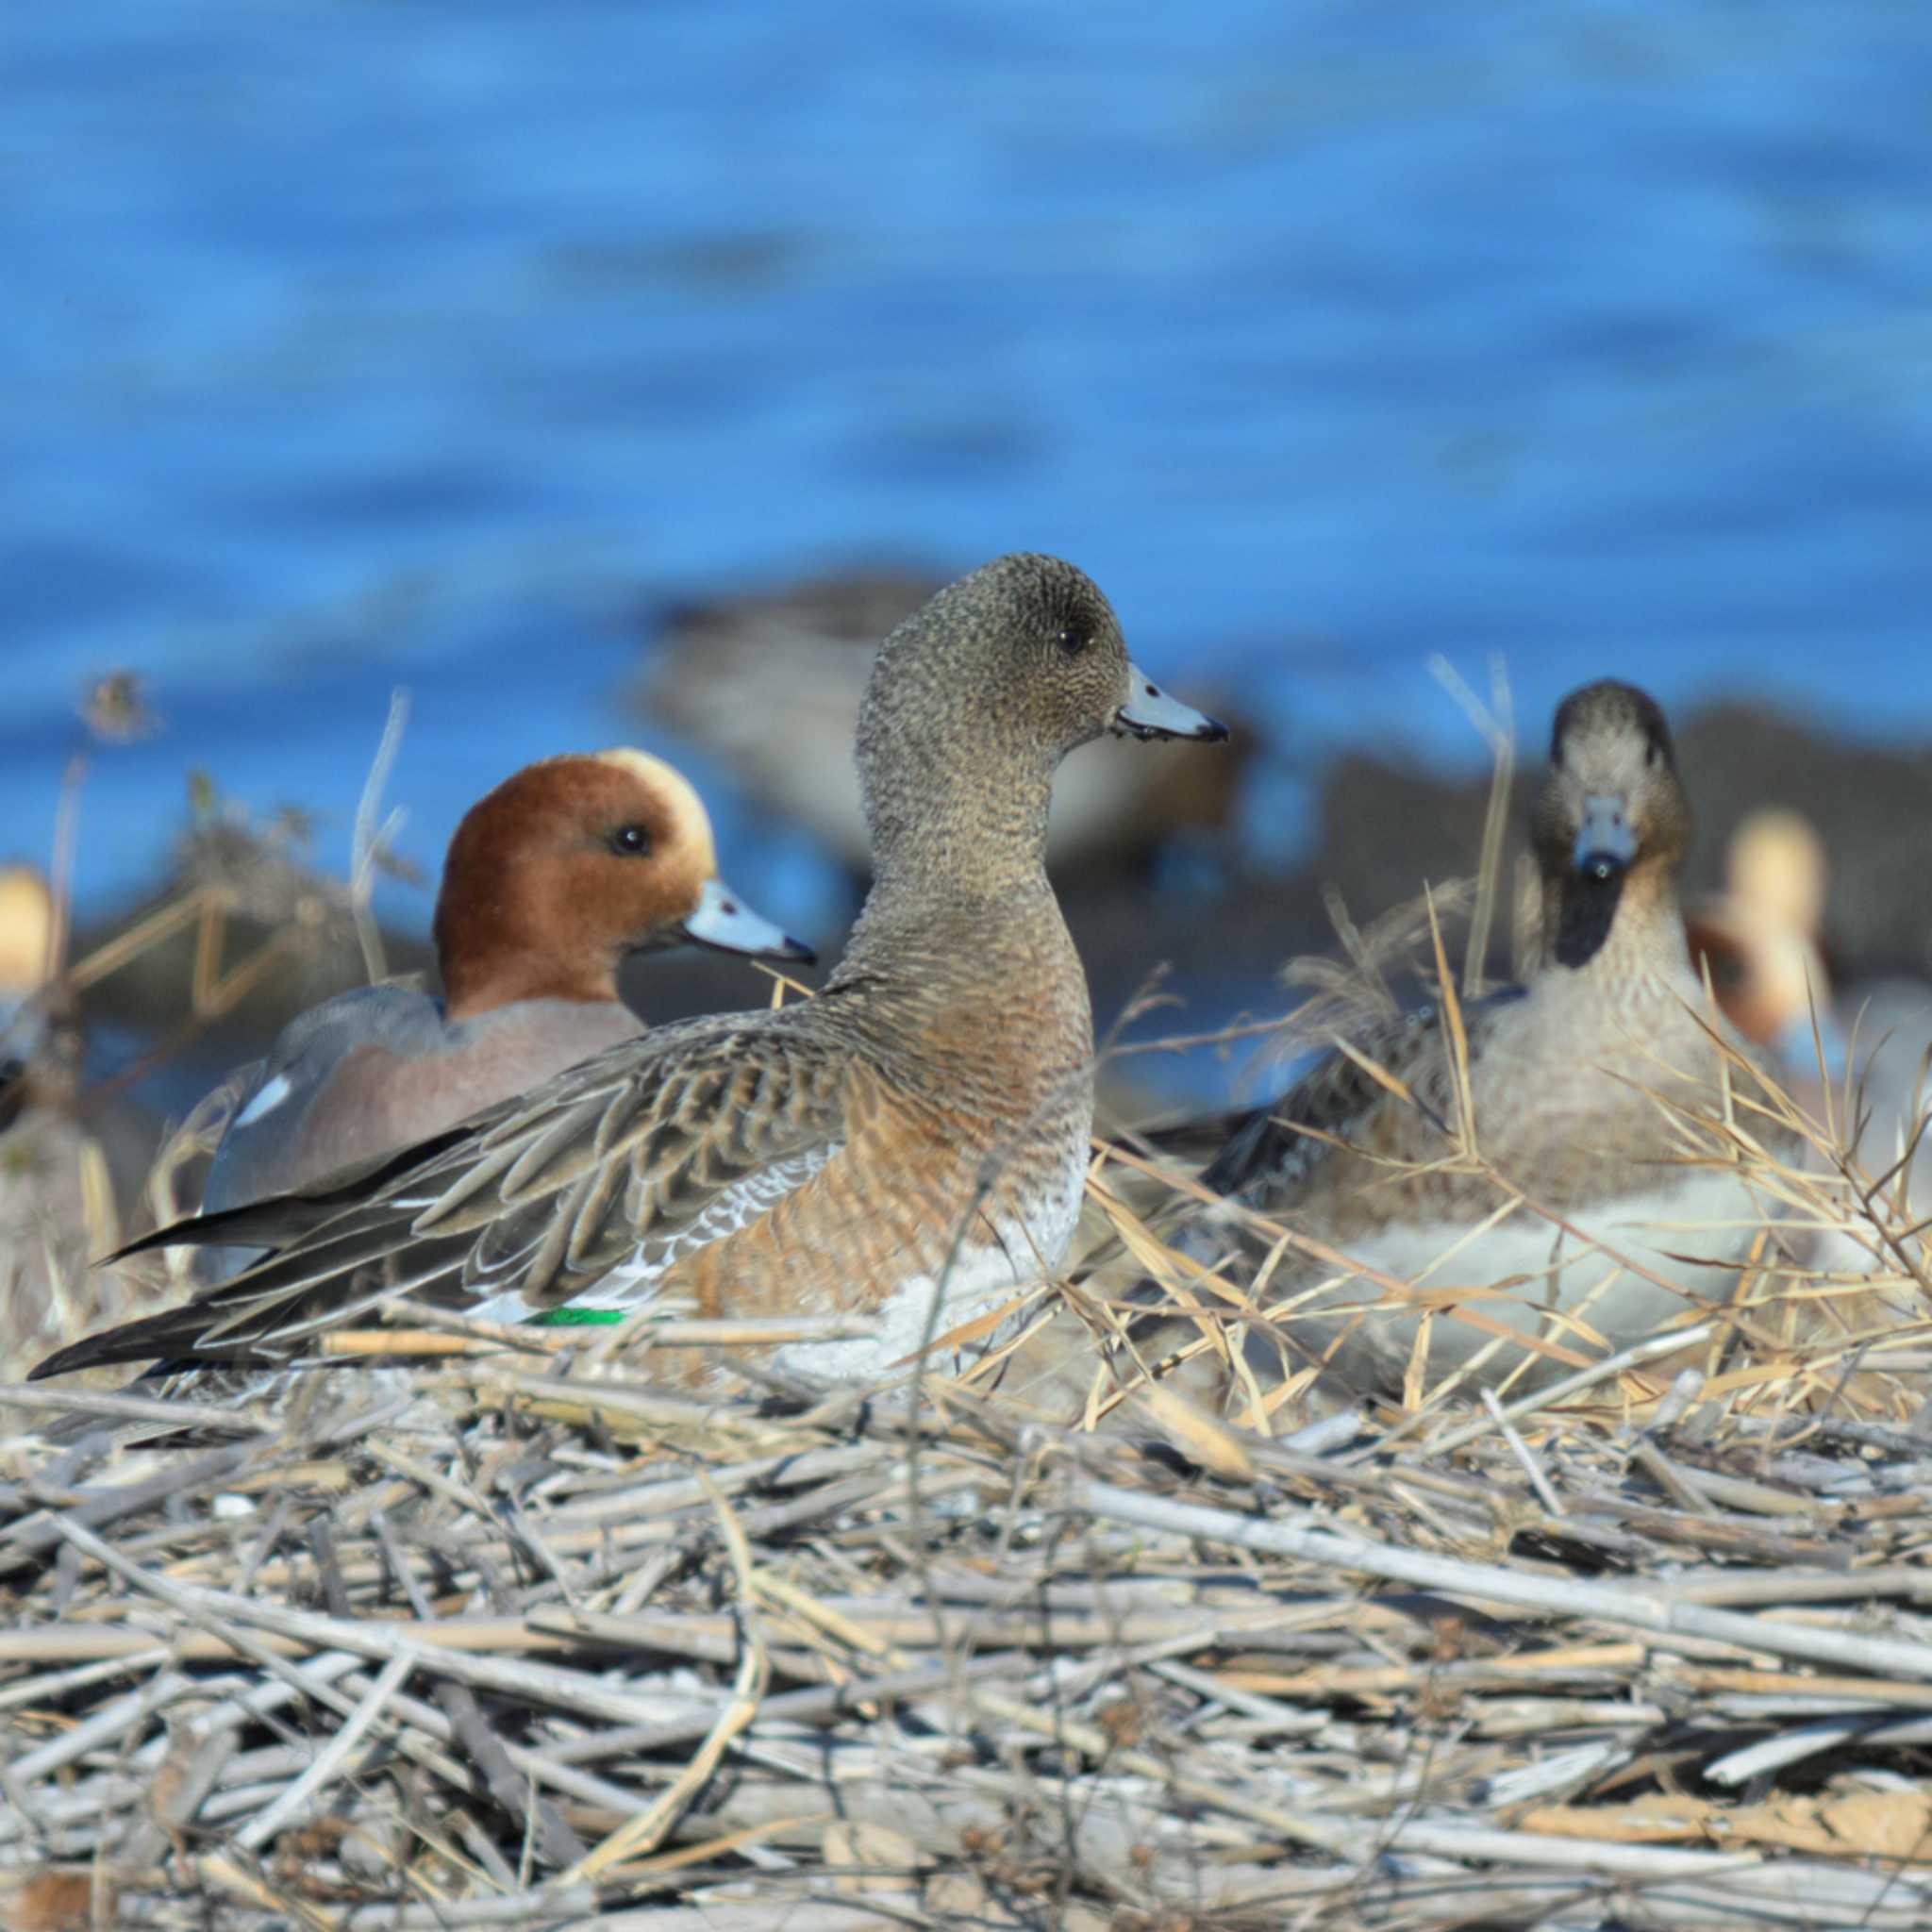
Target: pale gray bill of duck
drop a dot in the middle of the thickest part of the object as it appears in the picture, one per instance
(1149, 713)
(721, 919)
(1606, 845)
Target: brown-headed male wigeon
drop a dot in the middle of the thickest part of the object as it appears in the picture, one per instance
(917, 1134)
(552, 880)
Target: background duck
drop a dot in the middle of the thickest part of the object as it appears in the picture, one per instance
(35, 1063)
(58, 1198)
(552, 880)
(919, 1129)
(1565, 1077)
(1764, 942)
(1760, 939)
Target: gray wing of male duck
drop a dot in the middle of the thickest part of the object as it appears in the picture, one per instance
(258, 1151)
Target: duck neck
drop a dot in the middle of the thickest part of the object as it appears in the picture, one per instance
(1621, 932)
(962, 942)
(949, 841)
(499, 966)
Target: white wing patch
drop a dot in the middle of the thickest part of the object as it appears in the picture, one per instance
(267, 1097)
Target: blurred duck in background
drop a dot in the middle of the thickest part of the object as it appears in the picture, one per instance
(57, 1198)
(1762, 940)
(1759, 941)
(36, 1045)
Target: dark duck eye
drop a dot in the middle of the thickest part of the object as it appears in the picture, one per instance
(1073, 641)
(630, 841)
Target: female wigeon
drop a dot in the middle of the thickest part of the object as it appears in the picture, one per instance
(921, 1127)
(553, 879)
(1562, 1075)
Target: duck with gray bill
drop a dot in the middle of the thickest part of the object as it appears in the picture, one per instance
(1577, 1082)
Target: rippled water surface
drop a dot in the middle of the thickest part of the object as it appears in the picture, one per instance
(348, 344)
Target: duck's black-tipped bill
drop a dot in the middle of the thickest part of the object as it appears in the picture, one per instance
(1149, 713)
(1605, 845)
(725, 920)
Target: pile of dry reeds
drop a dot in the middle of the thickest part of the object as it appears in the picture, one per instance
(518, 1642)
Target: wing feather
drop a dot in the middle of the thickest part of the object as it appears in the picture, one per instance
(1273, 1155)
(645, 1153)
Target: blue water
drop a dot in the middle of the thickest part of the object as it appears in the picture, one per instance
(345, 346)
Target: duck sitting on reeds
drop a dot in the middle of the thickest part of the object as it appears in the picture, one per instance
(1518, 1184)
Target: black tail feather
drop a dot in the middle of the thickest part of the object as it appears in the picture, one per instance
(278, 1220)
(172, 1333)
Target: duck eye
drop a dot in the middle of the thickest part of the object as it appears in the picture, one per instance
(1073, 641)
(629, 842)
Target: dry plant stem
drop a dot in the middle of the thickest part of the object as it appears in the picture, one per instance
(485, 1749)
(132, 1408)
(543, 1682)
(440, 1332)
(1496, 722)
(1492, 1583)
(1611, 1367)
(643, 1834)
(1520, 1449)
(330, 1762)
(1181, 1042)
(66, 844)
(209, 1003)
(190, 909)
(371, 837)
(33, 1535)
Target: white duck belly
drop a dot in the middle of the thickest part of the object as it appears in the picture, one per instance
(1691, 1235)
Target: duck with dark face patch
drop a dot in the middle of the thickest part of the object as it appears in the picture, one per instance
(1571, 1079)
(1611, 826)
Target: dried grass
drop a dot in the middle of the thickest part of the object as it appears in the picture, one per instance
(538, 1643)
(58, 1204)
(528, 1647)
